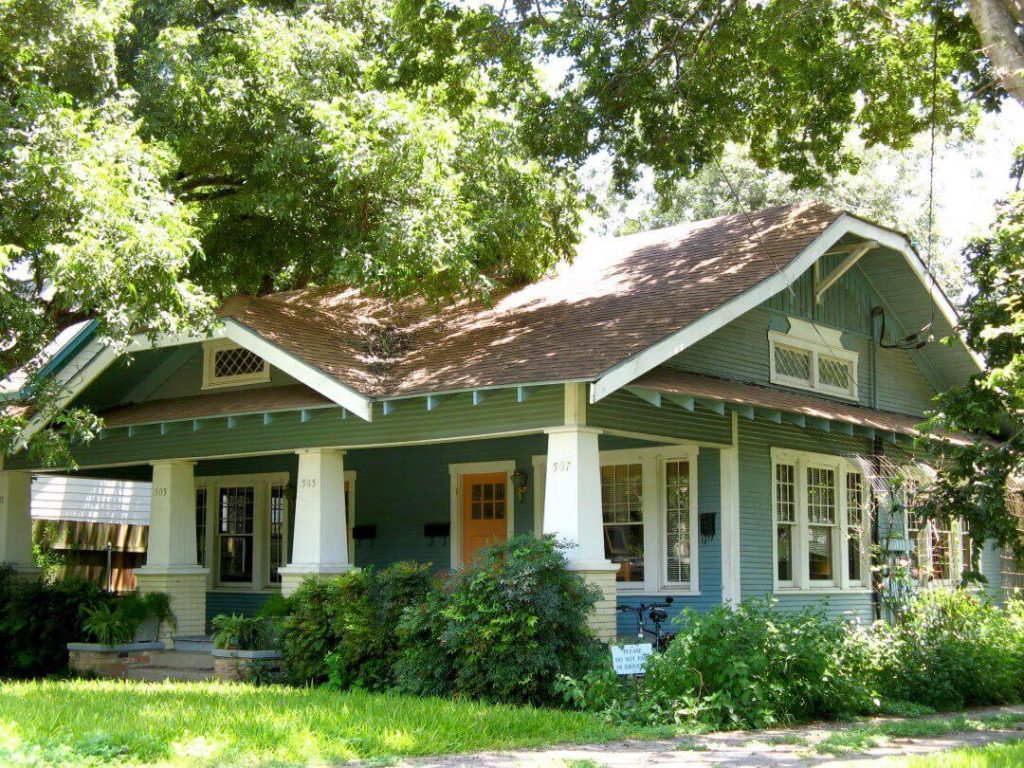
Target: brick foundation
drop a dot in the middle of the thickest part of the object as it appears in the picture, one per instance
(603, 619)
(239, 666)
(106, 661)
(187, 590)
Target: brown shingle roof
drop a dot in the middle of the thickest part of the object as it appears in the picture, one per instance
(672, 381)
(620, 296)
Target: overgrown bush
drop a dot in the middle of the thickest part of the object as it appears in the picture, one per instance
(503, 627)
(343, 629)
(38, 619)
(952, 649)
(757, 666)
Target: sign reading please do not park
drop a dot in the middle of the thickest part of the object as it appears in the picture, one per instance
(631, 659)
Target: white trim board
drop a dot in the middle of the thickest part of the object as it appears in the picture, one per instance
(630, 369)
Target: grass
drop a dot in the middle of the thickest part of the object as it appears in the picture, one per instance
(1007, 754)
(861, 738)
(93, 722)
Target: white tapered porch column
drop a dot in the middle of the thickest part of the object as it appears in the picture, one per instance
(171, 564)
(16, 522)
(572, 513)
(320, 547)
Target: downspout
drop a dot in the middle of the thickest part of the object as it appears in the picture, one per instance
(876, 466)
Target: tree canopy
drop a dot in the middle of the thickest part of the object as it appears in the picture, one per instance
(160, 154)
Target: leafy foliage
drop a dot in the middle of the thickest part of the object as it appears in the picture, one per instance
(343, 629)
(972, 481)
(247, 633)
(759, 666)
(38, 619)
(503, 627)
(118, 619)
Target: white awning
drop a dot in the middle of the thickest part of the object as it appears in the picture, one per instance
(90, 500)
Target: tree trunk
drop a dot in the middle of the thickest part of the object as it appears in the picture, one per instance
(997, 26)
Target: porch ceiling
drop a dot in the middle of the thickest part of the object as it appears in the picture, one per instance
(752, 401)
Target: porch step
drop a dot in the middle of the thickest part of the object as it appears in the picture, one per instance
(196, 643)
(159, 674)
(197, 661)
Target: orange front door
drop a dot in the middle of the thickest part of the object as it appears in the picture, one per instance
(485, 511)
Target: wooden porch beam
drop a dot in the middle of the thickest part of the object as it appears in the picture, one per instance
(684, 402)
(478, 396)
(524, 393)
(746, 411)
(268, 419)
(843, 267)
(712, 405)
(868, 432)
(769, 414)
(821, 424)
(843, 427)
(164, 428)
(433, 401)
(388, 407)
(796, 419)
(305, 415)
(232, 422)
(648, 395)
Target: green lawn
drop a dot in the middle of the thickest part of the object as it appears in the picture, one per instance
(864, 737)
(1005, 755)
(97, 722)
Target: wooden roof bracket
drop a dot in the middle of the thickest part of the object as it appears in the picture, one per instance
(852, 257)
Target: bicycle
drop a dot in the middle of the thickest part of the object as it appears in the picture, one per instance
(657, 615)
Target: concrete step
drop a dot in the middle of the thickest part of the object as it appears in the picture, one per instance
(186, 660)
(159, 674)
(201, 643)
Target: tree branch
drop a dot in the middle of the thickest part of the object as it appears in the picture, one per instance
(997, 29)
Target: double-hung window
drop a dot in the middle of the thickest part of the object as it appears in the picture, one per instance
(941, 552)
(649, 517)
(820, 514)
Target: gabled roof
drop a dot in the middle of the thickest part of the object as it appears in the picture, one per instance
(619, 296)
(623, 307)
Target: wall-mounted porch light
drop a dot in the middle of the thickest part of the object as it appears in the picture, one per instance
(520, 481)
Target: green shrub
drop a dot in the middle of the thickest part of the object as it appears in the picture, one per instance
(343, 629)
(504, 627)
(37, 621)
(106, 625)
(952, 649)
(237, 632)
(757, 666)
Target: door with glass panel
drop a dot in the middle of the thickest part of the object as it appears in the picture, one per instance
(484, 511)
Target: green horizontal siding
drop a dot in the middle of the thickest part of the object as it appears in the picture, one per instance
(219, 602)
(628, 413)
(410, 421)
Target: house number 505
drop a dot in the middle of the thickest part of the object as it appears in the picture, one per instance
(309, 482)
(560, 466)
(160, 491)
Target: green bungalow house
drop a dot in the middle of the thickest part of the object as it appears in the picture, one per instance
(688, 407)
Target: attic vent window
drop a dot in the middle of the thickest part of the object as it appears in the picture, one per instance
(226, 364)
(812, 357)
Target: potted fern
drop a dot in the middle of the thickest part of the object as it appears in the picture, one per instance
(114, 639)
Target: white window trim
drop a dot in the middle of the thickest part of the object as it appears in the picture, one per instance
(802, 582)
(261, 529)
(655, 549)
(456, 473)
(210, 381)
(827, 345)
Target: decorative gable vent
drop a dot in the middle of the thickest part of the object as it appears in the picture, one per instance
(226, 364)
(812, 357)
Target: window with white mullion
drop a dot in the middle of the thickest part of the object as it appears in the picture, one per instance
(856, 529)
(822, 517)
(785, 503)
(678, 511)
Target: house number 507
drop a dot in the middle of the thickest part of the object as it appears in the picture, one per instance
(560, 466)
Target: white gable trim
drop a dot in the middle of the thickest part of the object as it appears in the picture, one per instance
(628, 370)
(94, 358)
(312, 377)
